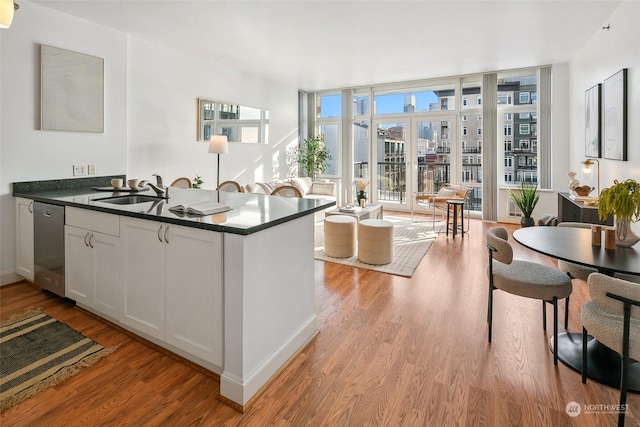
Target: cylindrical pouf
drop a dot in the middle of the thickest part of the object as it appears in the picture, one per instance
(375, 241)
(340, 236)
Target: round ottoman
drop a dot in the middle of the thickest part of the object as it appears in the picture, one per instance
(340, 236)
(375, 241)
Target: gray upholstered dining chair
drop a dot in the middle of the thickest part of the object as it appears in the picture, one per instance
(573, 270)
(612, 316)
(526, 279)
(628, 277)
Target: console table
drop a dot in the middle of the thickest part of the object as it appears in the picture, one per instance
(573, 211)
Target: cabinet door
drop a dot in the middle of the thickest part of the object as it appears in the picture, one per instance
(24, 238)
(142, 260)
(194, 292)
(107, 294)
(79, 266)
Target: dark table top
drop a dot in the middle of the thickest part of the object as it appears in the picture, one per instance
(574, 245)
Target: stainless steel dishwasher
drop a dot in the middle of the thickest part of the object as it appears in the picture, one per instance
(48, 254)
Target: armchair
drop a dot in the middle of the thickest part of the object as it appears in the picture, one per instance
(438, 201)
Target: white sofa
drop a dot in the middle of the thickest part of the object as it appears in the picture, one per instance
(308, 188)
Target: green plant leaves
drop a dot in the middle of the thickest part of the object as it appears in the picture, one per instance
(526, 197)
(312, 156)
(621, 199)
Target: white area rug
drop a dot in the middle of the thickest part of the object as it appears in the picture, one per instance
(411, 240)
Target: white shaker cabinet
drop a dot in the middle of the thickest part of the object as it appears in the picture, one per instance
(24, 238)
(92, 276)
(143, 275)
(172, 278)
(194, 297)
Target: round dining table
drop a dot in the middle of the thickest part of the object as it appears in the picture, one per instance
(573, 244)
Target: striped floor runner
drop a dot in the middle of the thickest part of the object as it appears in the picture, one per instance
(37, 352)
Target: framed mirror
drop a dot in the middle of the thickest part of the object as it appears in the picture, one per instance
(240, 123)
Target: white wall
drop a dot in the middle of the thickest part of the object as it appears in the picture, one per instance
(605, 54)
(164, 86)
(150, 113)
(28, 153)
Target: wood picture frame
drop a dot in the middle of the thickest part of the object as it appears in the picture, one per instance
(592, 120)
(72, 91)
(615, 116)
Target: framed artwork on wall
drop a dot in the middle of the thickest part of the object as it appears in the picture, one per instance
(592, 120)
(72, 91)
(615, 116)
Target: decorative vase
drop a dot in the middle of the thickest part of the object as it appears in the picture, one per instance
(527, 221)
(361, 195)
(625, 237)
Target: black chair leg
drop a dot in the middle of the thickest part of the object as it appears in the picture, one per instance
(544, 316)
(555, 330)
(584, 355)
(566, 313)
(624, 375)
(490, 310)
(624, 382)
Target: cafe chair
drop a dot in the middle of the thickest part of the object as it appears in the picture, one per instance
(438, 201)
(573, 270)
(181, 182)
(526, 279)
(230, 187)
(286, 191)
(612, 316)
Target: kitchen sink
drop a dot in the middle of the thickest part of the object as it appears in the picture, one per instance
(129, 199)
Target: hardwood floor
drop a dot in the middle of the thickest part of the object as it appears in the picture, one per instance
(391, 351)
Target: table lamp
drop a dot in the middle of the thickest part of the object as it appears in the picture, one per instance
(218, 144)
(586, 168)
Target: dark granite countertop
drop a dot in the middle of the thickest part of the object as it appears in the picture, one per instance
(249, 213)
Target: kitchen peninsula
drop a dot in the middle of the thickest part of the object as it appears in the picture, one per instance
(232, 292)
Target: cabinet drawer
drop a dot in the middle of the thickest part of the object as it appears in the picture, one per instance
(91, 220)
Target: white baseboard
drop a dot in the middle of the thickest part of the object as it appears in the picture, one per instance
(9, 277)
(241, 390)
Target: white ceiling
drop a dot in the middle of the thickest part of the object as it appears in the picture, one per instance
(325, 44)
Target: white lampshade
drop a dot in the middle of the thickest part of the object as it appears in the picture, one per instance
(218, 144)
(6, 13)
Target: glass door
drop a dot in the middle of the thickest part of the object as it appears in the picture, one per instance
(432, 143)
(390, 158)
(412, 155)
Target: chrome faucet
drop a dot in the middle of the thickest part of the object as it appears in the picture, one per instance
(160, 189)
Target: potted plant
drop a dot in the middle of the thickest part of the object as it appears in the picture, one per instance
(312, 156)
(197, 182)
(526, 198)
(623, 200)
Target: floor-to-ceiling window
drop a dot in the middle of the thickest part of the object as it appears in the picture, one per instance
(414, 137)
(518, 126)
(471, 140)
(328, 125)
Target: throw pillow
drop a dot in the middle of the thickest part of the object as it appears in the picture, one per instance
(301, 185)
(446, 192)
(254, 188)
(324, 188)
(265, 187)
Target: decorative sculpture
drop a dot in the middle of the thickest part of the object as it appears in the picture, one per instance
(573, 182)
